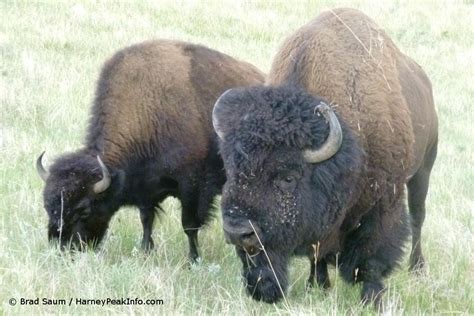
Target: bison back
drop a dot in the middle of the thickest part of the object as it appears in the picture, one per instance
(344, 57)
(154, 101)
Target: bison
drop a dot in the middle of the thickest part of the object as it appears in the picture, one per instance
(150, 136)
(317, 159)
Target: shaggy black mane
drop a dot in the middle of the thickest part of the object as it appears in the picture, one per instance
(288, 117)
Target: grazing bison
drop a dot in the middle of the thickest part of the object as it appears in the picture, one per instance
(150, 136)
(317, 159)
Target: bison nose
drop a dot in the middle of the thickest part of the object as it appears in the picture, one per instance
(242, 236)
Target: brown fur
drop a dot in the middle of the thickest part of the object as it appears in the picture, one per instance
(350, 206)
(151, 125)
(385, 97)
(141, 83)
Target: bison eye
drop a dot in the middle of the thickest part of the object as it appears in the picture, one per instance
(82, 209)
(286, 183)
(84, 212)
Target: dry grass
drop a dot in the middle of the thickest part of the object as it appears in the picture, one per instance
(51, 53)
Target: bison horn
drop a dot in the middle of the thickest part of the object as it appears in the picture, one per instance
(334, 140)
(103, 184)
(39, 167)
(215, 120)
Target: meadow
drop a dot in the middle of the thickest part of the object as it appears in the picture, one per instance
(51, 55)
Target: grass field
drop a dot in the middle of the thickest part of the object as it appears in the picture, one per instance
(51, 54)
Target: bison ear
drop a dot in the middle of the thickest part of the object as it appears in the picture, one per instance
(217, 114)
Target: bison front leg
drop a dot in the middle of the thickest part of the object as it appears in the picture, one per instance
(190, 222)
(147, 217)
(322, 275)
(196, 208)
(374, 249)
(191, 227)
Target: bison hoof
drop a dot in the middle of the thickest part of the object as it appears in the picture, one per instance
(193, 257)
(147, 245)
(326, 284)
(417, 265)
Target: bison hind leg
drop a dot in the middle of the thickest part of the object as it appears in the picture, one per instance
(417, 192)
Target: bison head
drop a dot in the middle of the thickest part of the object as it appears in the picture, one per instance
(80, 197)
(290, 164)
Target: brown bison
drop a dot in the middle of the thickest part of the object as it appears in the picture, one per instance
(317, 160)
(150, 136)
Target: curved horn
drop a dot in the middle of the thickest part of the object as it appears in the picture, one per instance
(334, 140)
(41, 170)
(215, 119)
(103, 184)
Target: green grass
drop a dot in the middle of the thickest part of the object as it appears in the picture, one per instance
(51, 53)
